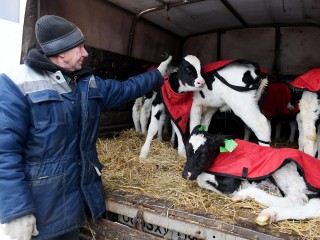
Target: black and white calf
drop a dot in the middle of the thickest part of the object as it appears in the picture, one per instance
(141, 111)
(216, 171)
(187, 78)
(236, 86)
(308, 118)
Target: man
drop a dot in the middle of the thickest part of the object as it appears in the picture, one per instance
(50, 107)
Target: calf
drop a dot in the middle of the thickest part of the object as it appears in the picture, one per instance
(294, 173)
(233, 85)
(187, 77)
(277, 107)
(308, 118)
(141, 111)
(230, 84)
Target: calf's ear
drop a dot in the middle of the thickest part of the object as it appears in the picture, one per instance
(218, 140)
(198, 129)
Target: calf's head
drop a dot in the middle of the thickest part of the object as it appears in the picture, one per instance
(189, 74)
(202, 148)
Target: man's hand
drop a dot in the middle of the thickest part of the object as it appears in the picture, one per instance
(163, 67)
(19, 229)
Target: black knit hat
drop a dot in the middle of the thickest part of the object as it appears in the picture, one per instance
(56, 34)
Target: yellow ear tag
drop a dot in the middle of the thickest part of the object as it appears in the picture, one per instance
(230, 145)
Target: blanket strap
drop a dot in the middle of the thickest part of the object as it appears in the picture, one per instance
(263, 141)
(244, 172)
(236, 88)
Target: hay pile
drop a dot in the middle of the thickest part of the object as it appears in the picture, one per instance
(159, 176)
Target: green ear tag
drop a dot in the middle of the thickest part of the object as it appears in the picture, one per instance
(202, 128)
(223, 149)
(230, 145)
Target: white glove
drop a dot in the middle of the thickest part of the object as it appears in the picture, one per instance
(19, 229)
(163, 67)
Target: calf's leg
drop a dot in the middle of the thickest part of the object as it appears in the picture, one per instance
(299, 212)
(301, 134)
(136, 110)
(309, 113)
(201, 115)
(255, 120)
(156, 112)
(293, 129)
(266, 198)
(278, 130)
(181, 147)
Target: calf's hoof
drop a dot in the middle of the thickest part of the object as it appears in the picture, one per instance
(182, 153)
(263, 219)
(142, 156)
(237, 198)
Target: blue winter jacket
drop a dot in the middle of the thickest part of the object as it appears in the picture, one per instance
(48, 160)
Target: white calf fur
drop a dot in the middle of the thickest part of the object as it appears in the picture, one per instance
(309, 114)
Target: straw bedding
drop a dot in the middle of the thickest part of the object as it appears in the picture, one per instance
(159, 176)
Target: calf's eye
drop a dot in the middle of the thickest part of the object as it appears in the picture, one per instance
(187, 70)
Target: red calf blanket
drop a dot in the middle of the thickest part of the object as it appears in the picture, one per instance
(178, 105)
(275, 101)
(254, 162)
(215, 66)
(308, 81)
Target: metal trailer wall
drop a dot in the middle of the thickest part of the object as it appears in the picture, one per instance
(106, 27)
(255, 44)
(299, 50)
(282, 51)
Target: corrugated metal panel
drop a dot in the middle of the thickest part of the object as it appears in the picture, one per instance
(278, 11)
(212, 15)
(194, 18)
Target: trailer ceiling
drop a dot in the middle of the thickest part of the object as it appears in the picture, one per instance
(193, 17)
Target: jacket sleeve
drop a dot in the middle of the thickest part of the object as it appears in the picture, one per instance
(117, 93)
(15, 197)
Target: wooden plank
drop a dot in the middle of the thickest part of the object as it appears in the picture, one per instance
(242, 228)
(171, 227)
(108, 230)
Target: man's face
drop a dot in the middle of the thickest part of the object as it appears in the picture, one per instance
(73, 58)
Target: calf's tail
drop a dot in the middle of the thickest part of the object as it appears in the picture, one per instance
(262, 87)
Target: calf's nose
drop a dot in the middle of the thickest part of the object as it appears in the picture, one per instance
(200, 83)
(186, 175)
